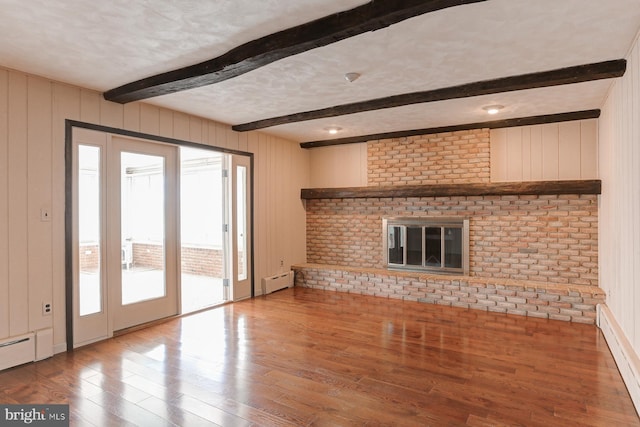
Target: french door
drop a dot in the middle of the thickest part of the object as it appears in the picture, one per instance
(124, 208)
(142, 184)
(128, 256)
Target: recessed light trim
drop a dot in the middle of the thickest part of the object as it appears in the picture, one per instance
(493, 109)
(333, 129)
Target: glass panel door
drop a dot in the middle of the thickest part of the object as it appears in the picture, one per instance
(142, 228)
(202, 218)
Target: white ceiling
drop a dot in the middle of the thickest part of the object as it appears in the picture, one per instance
(102, 45)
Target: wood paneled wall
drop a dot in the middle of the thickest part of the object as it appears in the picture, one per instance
(339, 166)
(32, 115)
(619, 226)
(549, 152)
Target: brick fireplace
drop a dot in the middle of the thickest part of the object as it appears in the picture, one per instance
(536, 254)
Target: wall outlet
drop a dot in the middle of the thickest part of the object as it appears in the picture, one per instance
(46, 308)
(281, 263)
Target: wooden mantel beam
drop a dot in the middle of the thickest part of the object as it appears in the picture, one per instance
(561, 76)
(371, 16)
(593, 186)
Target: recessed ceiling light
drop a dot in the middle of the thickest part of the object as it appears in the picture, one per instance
(333, 129)
(493, 109)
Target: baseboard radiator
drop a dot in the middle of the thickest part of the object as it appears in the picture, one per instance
(277, 282)
(17, 350)
(26, 348)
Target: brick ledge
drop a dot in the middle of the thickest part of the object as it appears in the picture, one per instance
(574, 303)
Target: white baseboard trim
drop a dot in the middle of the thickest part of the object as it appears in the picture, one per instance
(625, 356)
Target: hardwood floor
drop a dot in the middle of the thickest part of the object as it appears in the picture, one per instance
(307, 357)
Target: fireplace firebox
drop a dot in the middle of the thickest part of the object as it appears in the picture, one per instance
(432, 244)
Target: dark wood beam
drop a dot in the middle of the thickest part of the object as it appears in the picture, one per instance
(495, 124)
(562, 76)
(452, 190)
(372, 16)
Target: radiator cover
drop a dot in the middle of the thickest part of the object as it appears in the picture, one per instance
(277, 282)
(17, 350)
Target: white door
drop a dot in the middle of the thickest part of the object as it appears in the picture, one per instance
(125, 238)
(240, 240)
(142, 229)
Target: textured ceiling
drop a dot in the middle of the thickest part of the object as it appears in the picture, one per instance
(102, 45)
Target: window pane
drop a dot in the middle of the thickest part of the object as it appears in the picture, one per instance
(414, 245)
(395, 245)
(241, 221)
(90, 286)
(143, 226)
(453, 247)
(433, 256)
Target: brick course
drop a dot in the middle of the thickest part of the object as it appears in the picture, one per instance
(444, 158)
(574, 303)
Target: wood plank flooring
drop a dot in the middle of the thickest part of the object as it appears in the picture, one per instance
(304, 357)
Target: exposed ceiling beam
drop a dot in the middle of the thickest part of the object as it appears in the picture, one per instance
(562, 76)
(495, 124)
(372, 16)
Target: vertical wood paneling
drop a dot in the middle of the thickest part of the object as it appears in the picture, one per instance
(545, 152)
(536, 153)
(111, 114)
(195, 130)
(588, 149)
(526, 153)
(338, 166)
(569, 150)
(550, 160)
(232, 138)
(619, 218)
(211, 134)
(149, 119)
(166, 123)
(4, 204)
(498, 150)
(39, 155)
(181, 127)
(131, 115)
(89, 106)
(221, 136)
(363, 165)
(514, 154)
(243, 141)
(18, 212)
(66, 105)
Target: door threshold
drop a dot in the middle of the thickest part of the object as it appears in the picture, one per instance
(165, 319)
